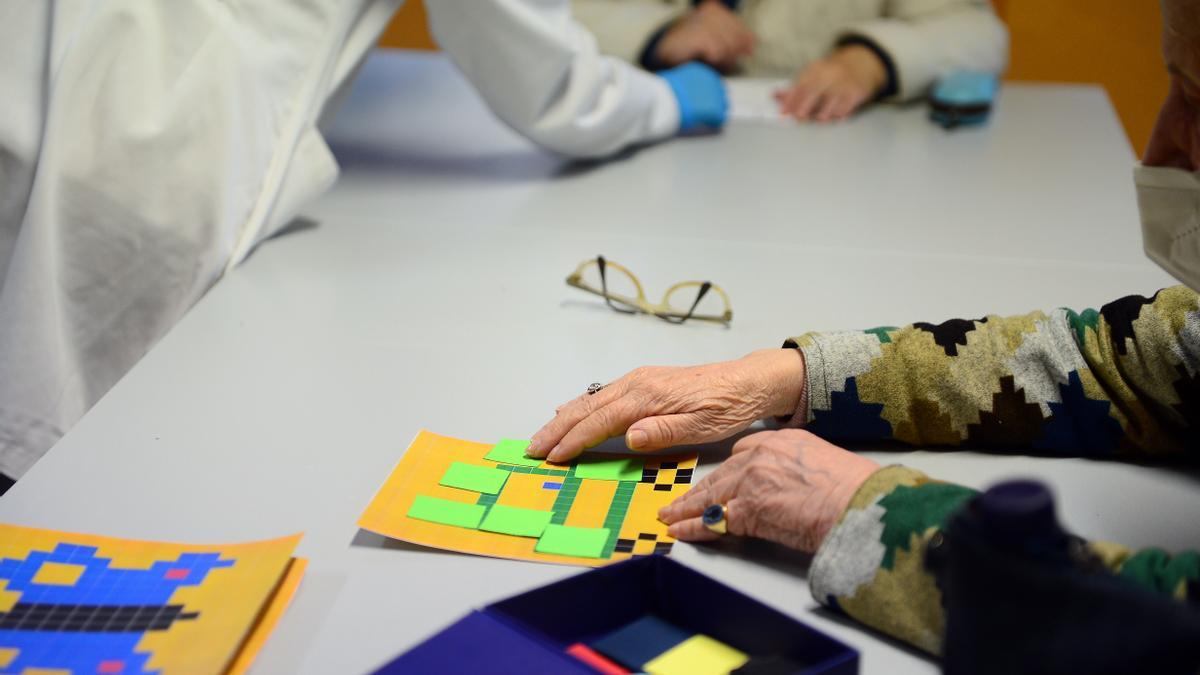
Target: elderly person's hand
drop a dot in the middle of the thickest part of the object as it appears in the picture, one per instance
(834, 87)
(657, 407)
(711, 33)
(787, 486)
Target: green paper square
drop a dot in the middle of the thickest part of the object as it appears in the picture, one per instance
(516, 521)
(473, 477)
(622, 468)
(446, 512)
(581, 542)
(510, 451)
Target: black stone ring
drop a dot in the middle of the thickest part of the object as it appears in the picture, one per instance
(714, 518)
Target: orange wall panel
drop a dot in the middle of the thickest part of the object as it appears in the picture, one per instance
(409, 29)
(1115, 43)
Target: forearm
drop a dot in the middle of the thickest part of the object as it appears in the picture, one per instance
(872, 567)
(543, 75)
(1067, 383)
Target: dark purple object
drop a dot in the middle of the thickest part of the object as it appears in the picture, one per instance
(547, 620)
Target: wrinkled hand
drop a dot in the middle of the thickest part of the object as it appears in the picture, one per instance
(833, 88)
(711, 33)
(657, 407)
(786, 486)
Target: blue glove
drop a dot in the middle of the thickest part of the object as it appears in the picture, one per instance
(701, 96)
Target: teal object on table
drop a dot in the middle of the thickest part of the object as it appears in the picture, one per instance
(963, 98)
(700, 92)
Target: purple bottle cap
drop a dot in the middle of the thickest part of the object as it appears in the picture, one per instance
(1019, 506)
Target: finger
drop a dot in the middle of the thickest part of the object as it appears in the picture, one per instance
(611, 420)
(664, 431)
(745, 38)
(710, 49)
(808, 103)
(694, 529)
(847, 104)
(748, 41)
(714, 488)
(791, 100)
(571, 413)
(731, 40)
(753, 441)
(824, 112)
(800, 96)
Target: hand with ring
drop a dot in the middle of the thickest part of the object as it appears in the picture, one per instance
(658, 407)
(786, 486)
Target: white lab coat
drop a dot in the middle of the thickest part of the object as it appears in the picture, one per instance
(147, 146)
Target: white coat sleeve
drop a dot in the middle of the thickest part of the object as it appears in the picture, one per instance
(927, 39)
(542, 74)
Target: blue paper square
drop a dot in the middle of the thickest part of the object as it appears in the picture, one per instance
(640, 642)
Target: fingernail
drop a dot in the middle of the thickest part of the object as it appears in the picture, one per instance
(673, 531)
(637, 439)
(533, 447)
(555, 455)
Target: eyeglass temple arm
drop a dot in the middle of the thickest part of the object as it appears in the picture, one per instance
(602, 264)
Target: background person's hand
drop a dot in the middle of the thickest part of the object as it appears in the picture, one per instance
(786, 486)
(657, 407)
(834, 87)
(711, 33)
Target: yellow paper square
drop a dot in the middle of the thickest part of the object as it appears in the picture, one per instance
(697, 655)
(7, 656)
(8, 600)
(58, 574)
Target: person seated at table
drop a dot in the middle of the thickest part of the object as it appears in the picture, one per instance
(147, 148)
(841, 55)
(1123, 381)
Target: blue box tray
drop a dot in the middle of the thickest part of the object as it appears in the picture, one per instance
(529, 633)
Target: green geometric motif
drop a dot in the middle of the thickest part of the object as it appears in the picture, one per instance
(1082, 321)
(881, 333)
(1157, 570)
(913, 510)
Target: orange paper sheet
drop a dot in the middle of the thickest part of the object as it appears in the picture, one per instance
(629, 509)
(86, 603)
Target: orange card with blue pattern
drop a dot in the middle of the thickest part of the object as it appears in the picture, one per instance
(79, 603)
(490, 499)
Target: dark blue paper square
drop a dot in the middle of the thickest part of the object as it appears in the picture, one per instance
(640, 642)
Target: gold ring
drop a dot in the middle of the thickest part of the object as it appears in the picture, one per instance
(714, 518)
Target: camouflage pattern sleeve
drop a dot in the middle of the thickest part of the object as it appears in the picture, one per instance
(1125, 379)
(871, 564)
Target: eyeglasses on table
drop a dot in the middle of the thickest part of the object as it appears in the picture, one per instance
(623, 292)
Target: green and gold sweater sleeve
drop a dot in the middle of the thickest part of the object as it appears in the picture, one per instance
(871, 564)
(1124, 379)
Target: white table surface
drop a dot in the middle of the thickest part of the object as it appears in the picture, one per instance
(427, 292)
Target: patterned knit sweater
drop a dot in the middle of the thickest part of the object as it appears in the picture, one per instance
(1124, 380)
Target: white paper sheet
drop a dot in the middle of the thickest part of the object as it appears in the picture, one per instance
(753, 100)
